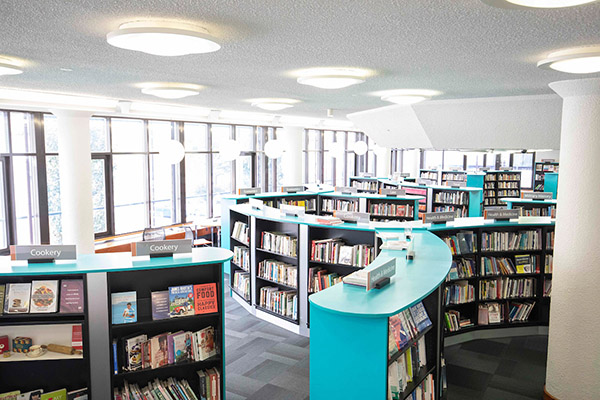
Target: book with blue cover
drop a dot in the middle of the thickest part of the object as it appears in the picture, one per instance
(160, 305)
(420, 317)
(124, 307)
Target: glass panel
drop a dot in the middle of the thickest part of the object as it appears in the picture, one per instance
(350, 155)
(243, 177)
(54, 206)
(311, 163)
(196, 188)
(244, 135)
(128, 135)
(328, 160)
(490, 160)
(340, 166)
(129, 182)
(195, 136)
(51, 133)
(474, 161)
(26, 200)
(4, 148)
(220, 133)
(505, 159)
(3, 221)
(524, 163)
(99, 195)
(453, 159)
(221, 182)
(433, 159)
(159, 132)
(21, 129)
(410, 161)
(313, 139)
(99, 134)
(260, 158)
(163, 210)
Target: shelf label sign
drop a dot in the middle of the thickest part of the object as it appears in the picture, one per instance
(162, 248)
(536, 195)
(256, 204)
(44, 253)
(439, 217)
(293, 189)
(385, 270)
(501, 214)
(456, 184)
(352, 217)
(346, 189)
(422, 181)
(287, 209)
(250, 191)
(405, 174)
(393, 192)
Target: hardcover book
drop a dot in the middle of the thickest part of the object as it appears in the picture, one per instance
(17, 298)
(80, 394)
(345, 255)
(207, 347)
(14, 395)
(181, 301)
(146, 356)
(2, 290)
(4, 344)
(205, 297)
(71, 296)
(133, 351)
(159, 353)
(420, 317)
(56, 395)
(124, 307)
(44, 296)
(160, 305)
(77, 337)
(33, 395)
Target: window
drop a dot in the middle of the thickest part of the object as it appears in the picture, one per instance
(130, 193)
(328, 160)
(3, 207)
(196, 171)
(411, 161)
(454, 159)
(312, 149)
(490, 160)
(524, 162)
(475, 161)
(432, 159)
(222, 178)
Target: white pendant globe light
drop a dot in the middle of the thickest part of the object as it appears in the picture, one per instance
(537, 3)
(578, 60)
(171, 151)
(163, 38)
(274, 148)
(360, 148)
(229, 150)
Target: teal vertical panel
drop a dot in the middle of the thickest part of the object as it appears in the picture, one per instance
(475, 199)
(475, 180)
(509, 205)
(348, 356)
(225, 232)
(551, 183)
(416, 210)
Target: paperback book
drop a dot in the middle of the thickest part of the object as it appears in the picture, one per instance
(207, 347)
(205, 297)
(181, 301)
(33, 395)
(133, 351)
(71, 296)
(44, 296)
(160, 305)
(56, 395)
(17, 298)
(2, 292)
(124, 307)
(159, 352)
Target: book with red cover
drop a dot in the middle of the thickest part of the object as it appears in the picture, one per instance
(77, 337)
(205, 298)
(71, 296)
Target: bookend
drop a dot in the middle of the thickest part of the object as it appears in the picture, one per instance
(382, 283)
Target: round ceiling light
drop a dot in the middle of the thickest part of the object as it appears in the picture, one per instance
(8, 68)
(171, 90)
(332, 78)
(407, 96)
(537, 3)
(162, 38)
(580, 60)
(229, 150)
(274, 104)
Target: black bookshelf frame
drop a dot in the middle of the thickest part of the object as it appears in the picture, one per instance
(496, 196)
(391, 200)
(239, 217)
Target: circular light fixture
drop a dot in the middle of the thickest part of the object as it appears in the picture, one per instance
(537, 3)
(332, 78)
(407, 96)
(229, 150)
(172, 151)
(273, 104)
(360, 148)
(579, 60)
(163, 38)
(8, 68)
(171, 90)
(337, 150)
(274, 148)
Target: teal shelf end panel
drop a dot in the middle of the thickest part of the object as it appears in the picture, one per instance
(475, 200)
(551, 183)
(416, 210)
(226, 203)
(475, 180)
(348, 356)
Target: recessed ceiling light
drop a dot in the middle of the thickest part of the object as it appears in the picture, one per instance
(66, 69)
(171, 90)
(407, 96)
(580, 60)
(332, 78)
(163, 38)
(537, 3)
(9, 67)
(274, 104)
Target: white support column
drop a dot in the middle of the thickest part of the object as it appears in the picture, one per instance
(291, 161)
(75, 163)
(384, 159)
(573, 368)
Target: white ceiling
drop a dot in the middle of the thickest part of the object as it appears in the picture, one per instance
(464, 48)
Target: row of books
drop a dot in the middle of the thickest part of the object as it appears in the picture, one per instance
(489, 193)
(459, 293)
(335, 251)
(503, 177)
(425, 391)
(279, 243)
(547, 287)
(459, 212)
(241, 232)
(308, 204)
(454, 321)
(331, 205)
(509, 193)
(406, 368)
(462, 269)
(38, 394)
(454, 176)
(462, 243)
(550, 240)
(494, 313)
(504, 288)
(489, 185)
(320, 279)
(277, 271)
(42, 297)
(524, 264)
(455, 197)
(241, 284)
(489, 202)
(241, 257)
(538, 212)
(365, 185)
(433, 175)
(283, 302)
(391, 210)
(167, 348)
(549, 264)
(508, 185)
(510, 241)
(405, 326)
(169, 389)
(546, 167)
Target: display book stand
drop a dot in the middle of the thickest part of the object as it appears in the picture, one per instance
(541, 168)
(104, 274)
(497, 184)
(540, 313)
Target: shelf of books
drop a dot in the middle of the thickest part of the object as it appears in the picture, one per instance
(499, 184)
(166, 332)
(464, 202)
(331, 203)
(499, 277)
(541, 168)
(418, 190)
(392, 209)
(43, 335)
(309, 202)
(365, 185)
(450, 177)
(277, 278)
(430, 174)
(531, 208)
(240, 264)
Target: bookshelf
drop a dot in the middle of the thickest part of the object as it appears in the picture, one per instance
(464, 201)
(451, 176)
(419, 190)
(530, 207)
(330, 202)
(551, 183)
(499, 184)
(365, 184)
(431, 174)
(541, 169)
(239, 272)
